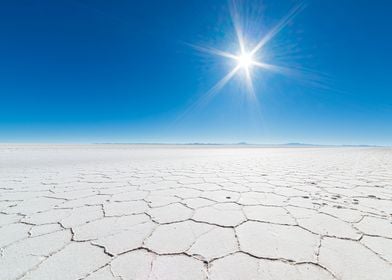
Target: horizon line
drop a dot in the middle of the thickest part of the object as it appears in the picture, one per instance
(289, 144)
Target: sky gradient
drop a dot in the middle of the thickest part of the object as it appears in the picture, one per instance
(124, 71)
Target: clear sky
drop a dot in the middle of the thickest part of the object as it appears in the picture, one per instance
(127, 71)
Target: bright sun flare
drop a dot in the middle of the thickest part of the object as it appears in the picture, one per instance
(245, 60)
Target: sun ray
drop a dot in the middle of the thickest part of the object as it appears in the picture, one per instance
(249, 82)
(277, 28)
(214, 51)
(274, 68)
(211, 92)
(306, 76)
(235, 18)
(222, 82)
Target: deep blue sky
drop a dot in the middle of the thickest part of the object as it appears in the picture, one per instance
(122, 71)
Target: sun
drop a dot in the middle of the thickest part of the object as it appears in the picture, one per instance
(245, 60)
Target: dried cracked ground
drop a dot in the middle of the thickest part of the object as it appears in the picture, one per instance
(183, 212)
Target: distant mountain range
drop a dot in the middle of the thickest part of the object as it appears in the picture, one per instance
(293, 144)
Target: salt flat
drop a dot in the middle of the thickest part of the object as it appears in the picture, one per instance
(195, 212)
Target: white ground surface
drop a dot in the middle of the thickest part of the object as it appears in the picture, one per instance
(220, 213)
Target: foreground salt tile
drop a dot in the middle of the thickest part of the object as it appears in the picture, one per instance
(133, 265)
(124, 208)
(159, 201)
(261, 198)
(175, 212)
(304, 202)
(234, 267)
(245, 267)
(64, 265)
(102, 274)
(382, 206)
(143, 265)
(13, 232)
(269, 214)
(178, 267)
(277, 241)
(271, 270)
(258, 187)
(350, 260)
(379, 245)
(125, 240)
(6, 204)
(6, 219)
(47, 217)
(82, 215)
(185, 193)
(129, 196)
(176, 237)
(107, 226)
(290, 191)
(195, 203)
(44, 229)
(344, 214)
(221, 195)
(20, 257)
(185, 181)
(207, 186)
(215, 243)
(222, 214)
(73, 193)
(375, 226)
(34, 205)
(85, 201)
(323, 224)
